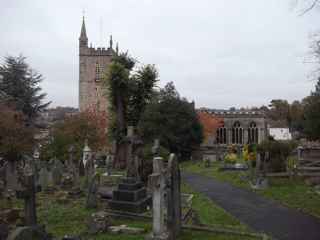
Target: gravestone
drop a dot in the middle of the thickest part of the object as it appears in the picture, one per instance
(109, 164)
(157, 185)
(130, 196)
(11, 176)
(28, 193)
(134, 148)
(72, 165)
(57, 173)
(92, 197)
(156, 147)
(87, 163)
(174, 197)
(81, 168)
(43, 177)
(89, 169)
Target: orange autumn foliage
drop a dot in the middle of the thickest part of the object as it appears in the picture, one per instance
(210, 124)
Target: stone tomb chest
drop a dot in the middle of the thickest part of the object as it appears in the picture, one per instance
(131, 196)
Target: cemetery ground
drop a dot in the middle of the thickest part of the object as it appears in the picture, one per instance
(69, 216)
(294, 192)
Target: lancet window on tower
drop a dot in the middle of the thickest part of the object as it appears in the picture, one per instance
(98, 72)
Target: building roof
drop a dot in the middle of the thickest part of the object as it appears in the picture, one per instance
(226, 113)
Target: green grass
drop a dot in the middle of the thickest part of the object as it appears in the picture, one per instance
(70, 218)
(293, 193)
(209, 213)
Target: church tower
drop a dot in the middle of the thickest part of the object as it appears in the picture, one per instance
(93, 63)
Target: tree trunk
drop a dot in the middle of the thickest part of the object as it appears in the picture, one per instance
(120, 158)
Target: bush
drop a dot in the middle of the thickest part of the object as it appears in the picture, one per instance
(231, 158)
(147, 160)
(278, 151)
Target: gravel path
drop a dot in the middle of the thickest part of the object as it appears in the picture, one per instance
(262, 215)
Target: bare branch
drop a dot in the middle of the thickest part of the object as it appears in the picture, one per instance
(315, 2)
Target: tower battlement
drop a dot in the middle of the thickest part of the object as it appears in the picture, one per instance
(99, 51)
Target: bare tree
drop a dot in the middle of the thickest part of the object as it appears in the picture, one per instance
(307, 5)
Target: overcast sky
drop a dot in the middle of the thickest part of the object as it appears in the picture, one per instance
(218, 53)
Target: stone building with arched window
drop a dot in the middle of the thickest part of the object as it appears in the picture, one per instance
(238, 127)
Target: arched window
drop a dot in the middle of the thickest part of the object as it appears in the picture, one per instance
(237, 133)
(253, 134)
(222, 135)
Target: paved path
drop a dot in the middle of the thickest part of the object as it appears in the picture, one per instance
(260, 214)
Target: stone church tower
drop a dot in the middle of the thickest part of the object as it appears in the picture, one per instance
(93, 63)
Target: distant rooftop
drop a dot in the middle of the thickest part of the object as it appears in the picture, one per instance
(231, 112)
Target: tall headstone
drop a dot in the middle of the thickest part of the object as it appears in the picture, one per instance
(157, 185)
(156, 147)
(174, 197)
(57, 171)
(28, 193)
(73, 166)
(43, 177)
(11, 176)
(92, 197)
(134, 146)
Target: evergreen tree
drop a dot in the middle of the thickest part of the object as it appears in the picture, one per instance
(312, 114)
(21, 84)
(173, 120)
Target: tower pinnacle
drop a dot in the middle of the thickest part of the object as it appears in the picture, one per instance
(83, 39)
(111, 42)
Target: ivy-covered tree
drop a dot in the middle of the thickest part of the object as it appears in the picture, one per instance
(21, 84)
(129, 92)
(173, 120)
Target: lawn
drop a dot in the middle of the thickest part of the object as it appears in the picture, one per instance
(69, 217)
(290, 192)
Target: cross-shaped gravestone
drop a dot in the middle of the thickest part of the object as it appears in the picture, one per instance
(28, 193)
(157, 185)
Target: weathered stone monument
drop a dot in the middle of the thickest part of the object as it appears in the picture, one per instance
(72, 165)
(173, 197)
(134, 146)
(157, 185)
(156, 147)
(166, 199)
(43, 177)
(130, 196)
(88, 163)
(56, 173)
(28, 193)
(11, 176)
(92, 197)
